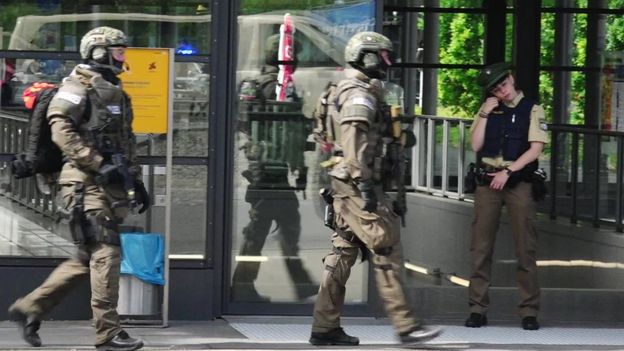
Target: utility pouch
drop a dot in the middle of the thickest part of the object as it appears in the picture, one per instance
(77, 217)
(538, 184)
(104, 230)
(470, 180)
(330, 215)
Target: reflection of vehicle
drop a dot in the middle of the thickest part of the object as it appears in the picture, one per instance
(63, 32)
(320, 56)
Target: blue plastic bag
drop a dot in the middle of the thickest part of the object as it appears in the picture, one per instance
(142, 255)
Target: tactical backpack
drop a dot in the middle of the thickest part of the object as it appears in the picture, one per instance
(259, 88)
(41, 154)
(323, 127)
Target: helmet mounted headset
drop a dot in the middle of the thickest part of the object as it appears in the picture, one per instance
(96, 48)
(371, 53)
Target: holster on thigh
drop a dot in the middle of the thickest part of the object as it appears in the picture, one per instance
(377, 230)
(101, 229)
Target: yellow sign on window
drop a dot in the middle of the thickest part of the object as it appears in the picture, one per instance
(146, 80)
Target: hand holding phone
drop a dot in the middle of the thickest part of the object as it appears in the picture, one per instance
(490, 104)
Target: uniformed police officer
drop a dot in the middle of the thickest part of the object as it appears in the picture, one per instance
(364, 217)
(90, 118)
(509, 134)
(275, 148)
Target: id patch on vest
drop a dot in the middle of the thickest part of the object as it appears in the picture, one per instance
(73, 98)
(360, 100)
(114, 109)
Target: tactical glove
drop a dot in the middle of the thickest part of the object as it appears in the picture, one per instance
(108, 174)
(367, 189)
(399, 207)
(20, 167)
(141, 195)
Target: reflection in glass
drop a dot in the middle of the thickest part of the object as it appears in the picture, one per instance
(146, 26)
(278, 227)
(275, 134)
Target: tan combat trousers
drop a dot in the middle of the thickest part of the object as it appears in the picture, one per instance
(487, 212)
(100, 261)
(378, 230)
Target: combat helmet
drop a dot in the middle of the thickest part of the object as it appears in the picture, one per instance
(94, 46)
(369, 52)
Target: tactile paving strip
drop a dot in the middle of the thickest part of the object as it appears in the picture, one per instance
(376, 334)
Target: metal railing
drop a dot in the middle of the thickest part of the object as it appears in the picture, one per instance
(439, 158)
(13, 137)
(585, 168)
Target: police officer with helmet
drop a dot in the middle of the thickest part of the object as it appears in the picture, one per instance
(364, 217)
(90, 119)
(509, 134)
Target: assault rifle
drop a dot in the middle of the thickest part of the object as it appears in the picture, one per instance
(121, 162)
(401, 139)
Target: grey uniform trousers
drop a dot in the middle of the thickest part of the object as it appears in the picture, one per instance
(487, 211)
(378, 230)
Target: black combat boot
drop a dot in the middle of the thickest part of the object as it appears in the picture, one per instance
(336, 336)
(476, 320)
(28, 325)
(530, 323)
(420, 334)
(121, 342)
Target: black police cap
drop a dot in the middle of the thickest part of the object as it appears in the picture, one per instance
(492, 74)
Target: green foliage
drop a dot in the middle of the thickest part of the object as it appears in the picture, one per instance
(461, 41)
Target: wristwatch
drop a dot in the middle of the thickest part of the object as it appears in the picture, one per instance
(509, 171)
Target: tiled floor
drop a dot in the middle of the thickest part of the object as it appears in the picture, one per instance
(22, 237)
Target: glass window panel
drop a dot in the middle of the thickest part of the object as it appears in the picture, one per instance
(191, 93)
(189, 208)
(30, 25)
(461, 38)
(18, 74)
(278, 234)
(610, 4)
(459, 95)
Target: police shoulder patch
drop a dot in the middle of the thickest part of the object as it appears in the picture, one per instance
(543, 125)
(361, 100)
(67, 96)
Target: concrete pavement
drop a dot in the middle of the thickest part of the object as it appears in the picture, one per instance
(291, 333)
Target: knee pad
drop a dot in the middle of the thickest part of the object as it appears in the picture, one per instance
(385, 251)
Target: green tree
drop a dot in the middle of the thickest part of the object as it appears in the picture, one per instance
(461, 41)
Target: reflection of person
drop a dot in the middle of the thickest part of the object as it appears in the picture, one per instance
(364, 217)
(272, 199)
(508, 134)
(90, 119)
(6, 92)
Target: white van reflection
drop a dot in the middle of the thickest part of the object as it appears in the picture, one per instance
(320, 57)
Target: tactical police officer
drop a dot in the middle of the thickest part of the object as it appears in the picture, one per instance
(274, 150)
(364, 217)
(509, 134)
(90, 119)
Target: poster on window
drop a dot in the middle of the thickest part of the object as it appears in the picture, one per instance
(146, 79)
(612, 91)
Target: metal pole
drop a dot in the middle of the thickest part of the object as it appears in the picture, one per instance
(431, 55)
(168, 189)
